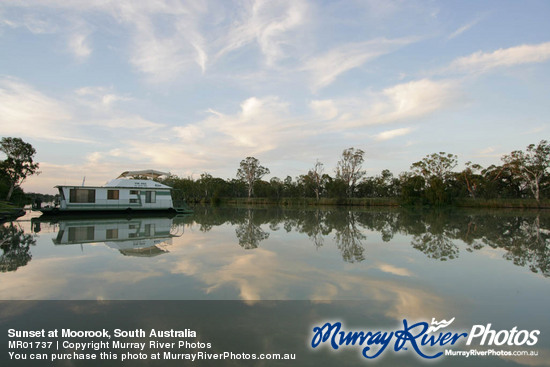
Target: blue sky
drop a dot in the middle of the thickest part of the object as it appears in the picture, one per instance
(103, 86)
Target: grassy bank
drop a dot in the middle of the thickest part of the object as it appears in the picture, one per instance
(312, 201)
(9, 211)
(386, 202)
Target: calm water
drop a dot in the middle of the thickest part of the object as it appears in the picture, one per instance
(478, 266)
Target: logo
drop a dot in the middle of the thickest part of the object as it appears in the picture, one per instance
(428, 341)
(439, 325)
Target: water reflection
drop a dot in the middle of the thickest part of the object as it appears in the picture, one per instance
(15, 245)
(131, 236)
(249, 232)
(525, 236)
(440, 235)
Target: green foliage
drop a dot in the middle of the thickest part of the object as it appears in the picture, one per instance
(19, 163)
(530, 166)
(349, 168)
(251, 171)
(431, 181)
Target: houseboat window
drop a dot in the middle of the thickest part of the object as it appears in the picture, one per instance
(150, 197)
(112, 194)
(134, 192)
(134, 201)
(82, 196)
(112, 234)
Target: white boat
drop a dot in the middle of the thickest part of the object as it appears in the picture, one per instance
(132, 191)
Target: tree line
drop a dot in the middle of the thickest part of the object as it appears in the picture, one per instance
(433, 180)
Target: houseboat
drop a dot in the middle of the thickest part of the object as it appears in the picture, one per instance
(131, 192)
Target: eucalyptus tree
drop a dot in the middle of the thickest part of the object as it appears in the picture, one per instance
(471, 177)
(436, 169)
(19, 163)
(349, 168)
(531, 166)
(438, 165)
(251, 171)
(317, 177)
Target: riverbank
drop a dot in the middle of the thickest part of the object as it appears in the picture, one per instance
(387, 202)
(9, 211)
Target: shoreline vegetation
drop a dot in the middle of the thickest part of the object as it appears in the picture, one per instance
(377, 202)
(9, 211)
(521, 181)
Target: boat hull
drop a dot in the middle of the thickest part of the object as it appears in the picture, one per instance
(117, 211)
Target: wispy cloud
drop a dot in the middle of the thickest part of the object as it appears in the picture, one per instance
(32, 22)
(78, 45)
(324, 109)
(268, 24)
(412, 100)
(259, 126)
(326, 68)
(464, 28)
(99, 97)
(401, 102)
(390, 134)
(164, 34)
(25, 111)
(481, 62)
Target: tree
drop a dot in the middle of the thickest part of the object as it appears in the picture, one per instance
(531, 166)
(438, 165)
(250, 171)
(19, 163)
(436, 169)
(349, 167)
(316, 175)
(471, 178)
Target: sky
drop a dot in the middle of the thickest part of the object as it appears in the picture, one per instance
(99, 87)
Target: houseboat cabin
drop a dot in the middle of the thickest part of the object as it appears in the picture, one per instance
(121, 194)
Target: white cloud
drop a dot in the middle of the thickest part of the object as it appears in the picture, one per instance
(326, 68)
(78, 44)
(27, 112)
(99, 98)
(261, 125)
(324, 109)
(269, 24)
(401, 102)
(390, 134)
(481, 62)
(412, 100)
(165, 34)
(135, 123)
(189, 133)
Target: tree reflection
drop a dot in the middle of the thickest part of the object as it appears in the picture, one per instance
(436, 246)
(348, 236)
(15, 245)
(439, 234)
(525, 239)
(249, 233)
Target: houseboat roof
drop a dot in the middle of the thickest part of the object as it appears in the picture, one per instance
(149, 173)
(130, 183)
(125, 183)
